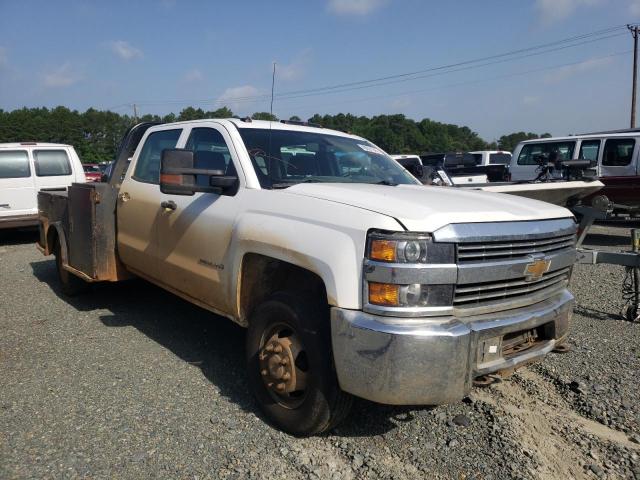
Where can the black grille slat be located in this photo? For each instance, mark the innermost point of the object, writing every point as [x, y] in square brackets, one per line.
[492, 251]
[492, 291]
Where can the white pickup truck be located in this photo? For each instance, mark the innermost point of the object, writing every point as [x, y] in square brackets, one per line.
[352, 278]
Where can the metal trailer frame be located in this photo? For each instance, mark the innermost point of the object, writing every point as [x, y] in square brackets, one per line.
[601, 210]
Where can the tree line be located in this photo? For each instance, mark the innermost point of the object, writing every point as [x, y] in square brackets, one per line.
[96, 134]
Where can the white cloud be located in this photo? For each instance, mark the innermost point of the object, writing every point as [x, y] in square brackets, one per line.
[62, 76]
[124, 50]
[193, 75]
[235, 97]
[355, 7]
[563, 73]
[294, 70]
[551, 11]
[634, 8]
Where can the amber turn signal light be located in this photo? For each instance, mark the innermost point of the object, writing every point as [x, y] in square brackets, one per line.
[384, 294]
[383, 250]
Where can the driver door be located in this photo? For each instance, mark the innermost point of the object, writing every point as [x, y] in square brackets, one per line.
[195, 234]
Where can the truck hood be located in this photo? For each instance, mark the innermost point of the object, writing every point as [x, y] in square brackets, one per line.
[428, 208]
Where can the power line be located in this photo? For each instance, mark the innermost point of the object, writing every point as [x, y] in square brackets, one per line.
[471, 82]
[569, 42]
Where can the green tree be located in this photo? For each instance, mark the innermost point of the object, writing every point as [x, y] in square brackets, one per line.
[509, 142]
[264, 116]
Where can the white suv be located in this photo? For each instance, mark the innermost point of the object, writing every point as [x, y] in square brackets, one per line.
[27, 168]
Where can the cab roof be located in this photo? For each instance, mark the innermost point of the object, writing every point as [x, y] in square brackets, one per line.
[32, 144]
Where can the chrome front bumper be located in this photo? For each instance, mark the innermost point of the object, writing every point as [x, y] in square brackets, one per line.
[431, 361]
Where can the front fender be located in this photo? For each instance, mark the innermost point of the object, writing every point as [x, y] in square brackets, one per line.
[333, 254]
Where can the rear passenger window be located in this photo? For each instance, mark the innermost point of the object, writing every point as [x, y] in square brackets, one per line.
[499, 159]
[589, 150]
[51, 163]
[14, 164]
[618, 152]
[148, 165]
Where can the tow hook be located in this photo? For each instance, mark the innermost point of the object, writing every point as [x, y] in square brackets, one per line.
[486, 380]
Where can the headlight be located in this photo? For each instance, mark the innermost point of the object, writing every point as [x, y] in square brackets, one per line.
[396, 249]
[408, 274]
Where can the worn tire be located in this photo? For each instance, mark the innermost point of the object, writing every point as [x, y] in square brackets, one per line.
[69, 283]
[323, 404]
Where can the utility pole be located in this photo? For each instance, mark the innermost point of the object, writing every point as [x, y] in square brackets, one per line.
[634, 32]
[135, 113]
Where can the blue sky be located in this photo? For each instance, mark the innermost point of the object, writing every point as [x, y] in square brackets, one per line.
[168, 54]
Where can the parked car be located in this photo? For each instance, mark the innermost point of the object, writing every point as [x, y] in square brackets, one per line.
[27, 168]
[613, 155]
[92, 172]
[351, 277]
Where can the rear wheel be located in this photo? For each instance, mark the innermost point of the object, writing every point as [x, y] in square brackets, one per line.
[69, 283]
[290, 366]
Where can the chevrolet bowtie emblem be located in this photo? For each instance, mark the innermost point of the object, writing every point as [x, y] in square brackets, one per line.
[535, 270]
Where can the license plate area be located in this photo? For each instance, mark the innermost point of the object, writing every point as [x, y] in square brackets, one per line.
[512, 344]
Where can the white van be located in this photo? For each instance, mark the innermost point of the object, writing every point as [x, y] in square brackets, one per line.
[613, 154]
[25, 169]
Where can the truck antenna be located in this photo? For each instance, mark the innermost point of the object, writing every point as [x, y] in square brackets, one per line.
[273, 83]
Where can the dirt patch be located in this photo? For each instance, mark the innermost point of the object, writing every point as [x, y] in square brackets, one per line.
[548, 427]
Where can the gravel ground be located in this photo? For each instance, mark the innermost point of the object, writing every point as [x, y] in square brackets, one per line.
[131, 382]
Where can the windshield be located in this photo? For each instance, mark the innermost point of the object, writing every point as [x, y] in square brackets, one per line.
[282, 158]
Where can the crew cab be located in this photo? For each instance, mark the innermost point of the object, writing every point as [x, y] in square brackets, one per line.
[29, 167]
[352, 278]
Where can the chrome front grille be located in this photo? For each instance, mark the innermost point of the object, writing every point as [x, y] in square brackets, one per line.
[470, 295]
[514, 249]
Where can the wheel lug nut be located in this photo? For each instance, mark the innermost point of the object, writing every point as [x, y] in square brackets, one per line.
[284, 361]
[263, 373]
[277, 349]
[280, 386]
[269, 348]
[286, 376]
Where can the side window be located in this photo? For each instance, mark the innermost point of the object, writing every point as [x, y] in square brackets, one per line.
[51, 163]
[14, 164]
[212, 152]
[531, 151]
[499, 159]
[148, 165]
[618, 152]
[589, 150]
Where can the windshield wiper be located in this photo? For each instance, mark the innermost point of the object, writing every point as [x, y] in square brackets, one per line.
[385, 182]
[295, 182]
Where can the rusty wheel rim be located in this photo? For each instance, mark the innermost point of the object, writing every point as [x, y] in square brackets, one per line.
[284, 366]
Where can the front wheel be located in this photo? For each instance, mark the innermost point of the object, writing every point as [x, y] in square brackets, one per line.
[291, 372]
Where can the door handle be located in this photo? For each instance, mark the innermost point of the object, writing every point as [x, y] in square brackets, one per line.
[169, 205]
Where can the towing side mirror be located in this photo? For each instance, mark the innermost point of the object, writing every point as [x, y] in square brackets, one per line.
[178, 175]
